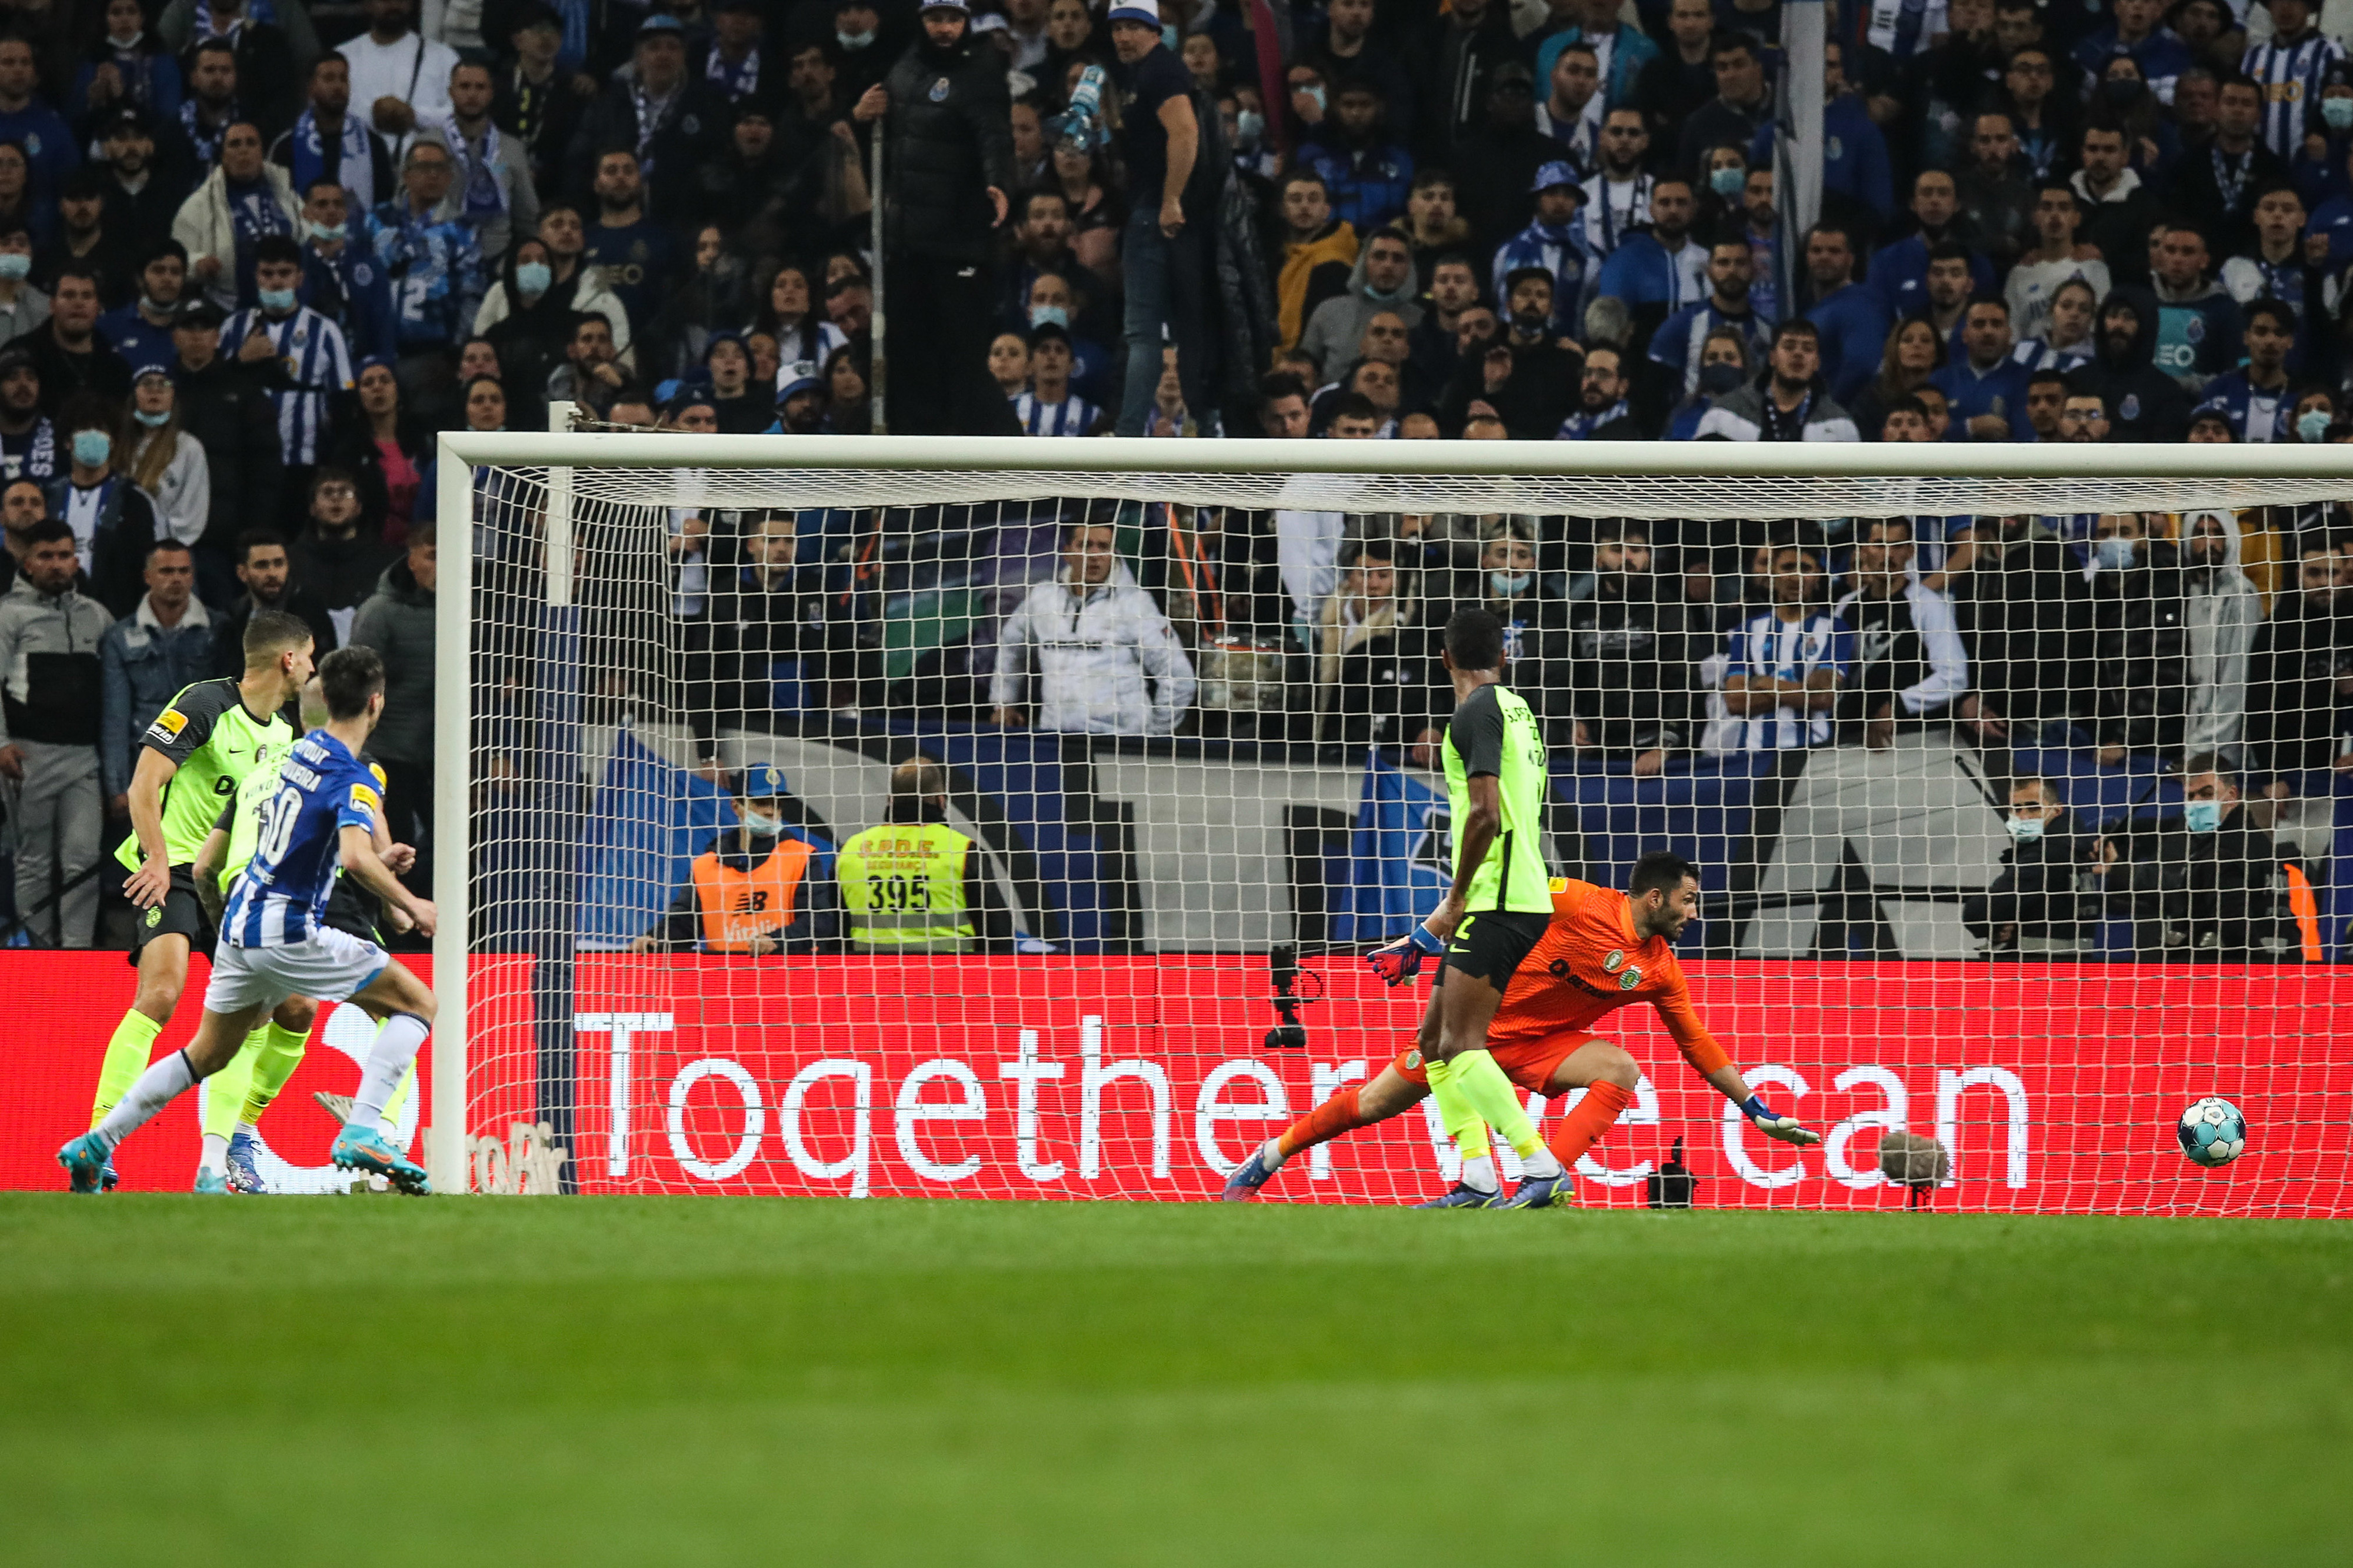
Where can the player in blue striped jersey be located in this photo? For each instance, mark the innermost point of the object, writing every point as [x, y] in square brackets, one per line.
[273, 944]
[2289, 67]
[1051, 408]
[302, 357]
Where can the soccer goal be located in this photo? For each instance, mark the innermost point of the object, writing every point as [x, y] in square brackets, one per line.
[898, 817]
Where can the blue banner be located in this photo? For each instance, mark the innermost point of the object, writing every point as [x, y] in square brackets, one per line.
[1403, 860]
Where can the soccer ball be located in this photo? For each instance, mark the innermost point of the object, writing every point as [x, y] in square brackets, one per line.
[2212, 1132]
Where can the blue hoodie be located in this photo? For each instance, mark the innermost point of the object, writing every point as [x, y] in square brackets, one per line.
[1854, 323]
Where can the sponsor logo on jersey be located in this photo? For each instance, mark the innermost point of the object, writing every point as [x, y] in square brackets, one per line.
[169, 723]
[366, 799]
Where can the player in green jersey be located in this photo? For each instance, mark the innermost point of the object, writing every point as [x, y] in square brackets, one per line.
[192, 759]
[1497, 909]
[235, 1096]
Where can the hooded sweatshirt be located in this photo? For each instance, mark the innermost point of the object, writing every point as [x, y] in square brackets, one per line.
[1338, 327]
[2144, 403]
[1106, 660]
[2222, 614]
[2198, 333]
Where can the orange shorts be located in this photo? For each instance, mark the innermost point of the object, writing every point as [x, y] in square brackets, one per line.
[1530, 1064]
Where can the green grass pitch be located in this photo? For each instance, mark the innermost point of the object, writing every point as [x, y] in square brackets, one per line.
[723, 1380]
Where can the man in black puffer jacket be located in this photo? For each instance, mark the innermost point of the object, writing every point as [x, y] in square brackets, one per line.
[947, 167]
[2141, 641]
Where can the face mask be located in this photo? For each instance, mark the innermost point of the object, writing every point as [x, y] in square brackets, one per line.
[1049, 315]
[1726, 182]
[2122, 92]
[534, 276]
[277, 299]
[1168, 39]
[2311, 426]
[2113, 554]
[2202, 816]
[1314, 92]
[2338, 112]
[1718, 379]
[1250, 126]
[126, 46]
[1504, 582]
[15, 268]
[92, 447]
[325, 235]
[152, 421]
[760, 826]
[2024, 829]
[852, 40]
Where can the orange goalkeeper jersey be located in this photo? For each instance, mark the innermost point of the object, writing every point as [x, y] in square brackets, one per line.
[1586, 965]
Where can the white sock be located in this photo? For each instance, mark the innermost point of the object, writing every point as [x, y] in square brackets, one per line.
[1271, 1156]
[395, 1048]
[216, 1154]
[165, 1079]
[1479, 1170]
[1540, 1165]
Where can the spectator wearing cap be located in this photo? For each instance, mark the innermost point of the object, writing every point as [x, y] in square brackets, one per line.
[23, 307]
[1363, 164]
[1381, 284]
[113, 522]
[81, 236]
[400, 79]
[164, 459]
[758, 889]
[801, 404]
[1462, 53]
[127, 67]
[533, 97]
[49, 720]
[1550, 241]
[29, 121]
[141, 200]
[433, 263]
[327, 143]
[67, 348]
[230, 415]
[29, 448]
[1104, 658]
[140, 331]
[295, 352]
[146, 659]
[245, 197]
[669, 120]
[1051, 407]
[1171, 199]
[947, 173]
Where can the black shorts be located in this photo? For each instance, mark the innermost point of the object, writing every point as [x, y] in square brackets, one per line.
[180, 914]
[1489, 946]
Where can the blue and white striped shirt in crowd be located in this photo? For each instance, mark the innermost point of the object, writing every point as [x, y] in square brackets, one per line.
[1765, 646]
[1074, 415]
[321, 789]
[314, 363]
[2289, 75]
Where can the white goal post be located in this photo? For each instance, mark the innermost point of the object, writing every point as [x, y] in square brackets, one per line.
[567, 471]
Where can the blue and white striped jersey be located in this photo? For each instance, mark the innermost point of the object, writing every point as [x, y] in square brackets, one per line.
[1766, 646]
[1074, 415]
[314, 363]
[2290, 76]
[278, 897]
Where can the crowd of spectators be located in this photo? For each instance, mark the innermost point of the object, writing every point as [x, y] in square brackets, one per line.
[255, 253]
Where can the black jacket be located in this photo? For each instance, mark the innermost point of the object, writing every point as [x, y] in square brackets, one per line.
[951, 137]
[2036, 888]
[2027, 621]
[698, 129]
[354, 448]
[100, 370]
[229, 642]
[1629, 664]
[2144, 403]
[126, 531]
[230, 415]
[341, 573]
[2214, 896]
[2293, 712]
[2140, 669]
[1532, 400]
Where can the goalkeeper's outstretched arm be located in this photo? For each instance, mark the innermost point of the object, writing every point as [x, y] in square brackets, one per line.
[1770, 1122]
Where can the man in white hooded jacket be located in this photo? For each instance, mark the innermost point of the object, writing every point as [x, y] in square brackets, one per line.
[1105, 660]
[2223, 613]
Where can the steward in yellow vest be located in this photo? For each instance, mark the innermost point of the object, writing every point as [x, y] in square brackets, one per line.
[754, 891]
[913, 884]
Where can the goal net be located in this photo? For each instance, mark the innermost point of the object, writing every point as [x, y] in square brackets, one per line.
[887, 816]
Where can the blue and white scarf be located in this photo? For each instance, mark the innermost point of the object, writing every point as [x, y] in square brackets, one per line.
[483, 197]
[738, 82]
[207, 144]
[355, 168]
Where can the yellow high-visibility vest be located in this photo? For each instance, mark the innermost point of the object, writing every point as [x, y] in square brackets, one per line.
[903, 883]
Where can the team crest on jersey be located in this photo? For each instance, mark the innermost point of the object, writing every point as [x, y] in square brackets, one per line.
[1413, 1057]
[940, 90]
[1631, 978]
[154, 918]
[1615, 961]
[2131, 407]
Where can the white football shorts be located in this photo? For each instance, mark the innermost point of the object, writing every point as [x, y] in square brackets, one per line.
[332, 966]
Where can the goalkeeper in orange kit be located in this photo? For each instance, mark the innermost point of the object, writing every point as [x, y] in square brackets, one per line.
[1602, 951]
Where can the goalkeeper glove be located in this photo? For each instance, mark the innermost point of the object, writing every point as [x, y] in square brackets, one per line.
[1773, 1124]
[1401, 960]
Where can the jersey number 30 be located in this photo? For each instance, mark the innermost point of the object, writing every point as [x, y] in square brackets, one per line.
[278, 820]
